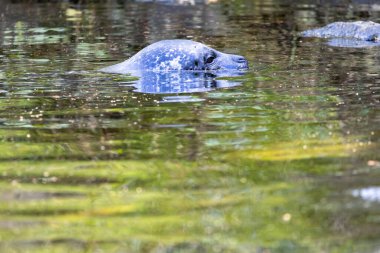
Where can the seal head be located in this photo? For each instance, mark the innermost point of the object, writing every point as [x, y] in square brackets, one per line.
[169, 55]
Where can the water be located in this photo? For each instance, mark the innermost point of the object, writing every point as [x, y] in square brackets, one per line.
[286, 161]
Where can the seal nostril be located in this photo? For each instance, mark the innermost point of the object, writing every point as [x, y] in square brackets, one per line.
[242, 63]
[240, 59]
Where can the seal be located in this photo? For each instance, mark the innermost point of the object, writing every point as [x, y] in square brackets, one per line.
[348, 34]
[175, 55]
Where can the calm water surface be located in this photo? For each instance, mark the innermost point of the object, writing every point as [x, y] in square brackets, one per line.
[286, 161]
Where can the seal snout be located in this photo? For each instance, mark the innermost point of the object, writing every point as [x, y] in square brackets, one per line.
[242, 62]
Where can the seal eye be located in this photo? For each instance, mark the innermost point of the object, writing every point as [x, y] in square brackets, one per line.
[210, 59]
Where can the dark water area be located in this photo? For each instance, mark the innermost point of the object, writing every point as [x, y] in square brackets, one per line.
[282, 159]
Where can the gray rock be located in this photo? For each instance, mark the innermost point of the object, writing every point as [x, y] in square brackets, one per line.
[352, 34]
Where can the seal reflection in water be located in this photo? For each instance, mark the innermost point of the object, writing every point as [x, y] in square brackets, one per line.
[178, 66]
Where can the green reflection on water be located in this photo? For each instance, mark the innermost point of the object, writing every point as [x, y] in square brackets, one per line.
[230, 206]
